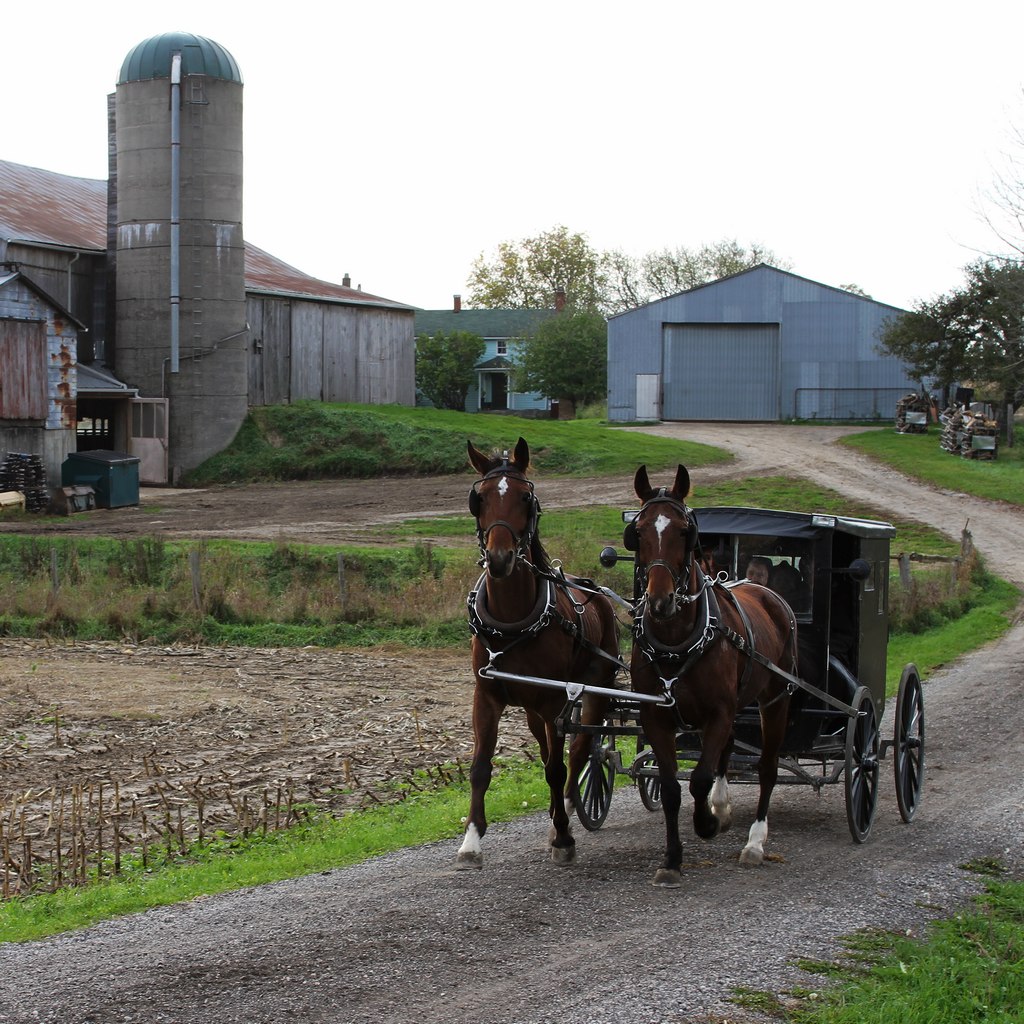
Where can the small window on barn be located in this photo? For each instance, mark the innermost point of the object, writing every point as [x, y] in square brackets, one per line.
[23, 391]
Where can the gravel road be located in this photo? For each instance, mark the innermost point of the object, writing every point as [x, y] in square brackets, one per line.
[407, 938]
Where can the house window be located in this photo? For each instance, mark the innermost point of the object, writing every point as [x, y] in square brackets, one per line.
[502, 346]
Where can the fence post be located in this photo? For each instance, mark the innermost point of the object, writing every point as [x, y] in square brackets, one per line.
[904, 564]
[342, 585]
[197, 585]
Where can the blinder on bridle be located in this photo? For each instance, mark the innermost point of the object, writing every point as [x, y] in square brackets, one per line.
[523, 540]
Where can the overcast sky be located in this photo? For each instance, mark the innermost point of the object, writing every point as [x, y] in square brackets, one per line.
[397, 141]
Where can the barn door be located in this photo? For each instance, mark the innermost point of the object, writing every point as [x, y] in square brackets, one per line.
[648, 396]
[148, 439]
[721, 372]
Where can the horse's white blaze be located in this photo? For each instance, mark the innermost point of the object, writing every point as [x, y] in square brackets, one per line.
[661, 524]
[503, 486]
[719, 799]
[754, 850]
[471, 844]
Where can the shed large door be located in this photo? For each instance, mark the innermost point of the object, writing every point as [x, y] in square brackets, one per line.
[721, 372]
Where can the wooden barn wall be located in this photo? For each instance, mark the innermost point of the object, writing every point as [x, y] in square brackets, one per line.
[76, 280]
[38, 351]
[329, 352]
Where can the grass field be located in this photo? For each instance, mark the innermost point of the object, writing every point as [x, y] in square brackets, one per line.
[920, 457]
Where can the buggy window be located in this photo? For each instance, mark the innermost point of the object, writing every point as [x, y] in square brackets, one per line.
[785, 564]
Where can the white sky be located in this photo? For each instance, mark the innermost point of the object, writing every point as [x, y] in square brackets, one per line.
[396, 141]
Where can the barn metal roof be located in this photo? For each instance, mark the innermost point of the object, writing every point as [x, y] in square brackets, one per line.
[199, 56]
[52, 209]
[45, 208]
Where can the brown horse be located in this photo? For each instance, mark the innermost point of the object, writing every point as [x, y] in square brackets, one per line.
[703, 647]
[529, 620]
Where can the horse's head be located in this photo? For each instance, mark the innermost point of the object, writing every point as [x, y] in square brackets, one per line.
[505, 508]
[664, 537]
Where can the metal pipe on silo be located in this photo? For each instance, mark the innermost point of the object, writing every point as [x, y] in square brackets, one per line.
[175, 208]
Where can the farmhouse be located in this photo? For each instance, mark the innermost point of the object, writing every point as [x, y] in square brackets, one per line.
[180, 324]
[502, 331]
[763, 344]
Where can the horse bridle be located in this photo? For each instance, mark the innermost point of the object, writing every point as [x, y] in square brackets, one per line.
[680, 581]
[521, 541]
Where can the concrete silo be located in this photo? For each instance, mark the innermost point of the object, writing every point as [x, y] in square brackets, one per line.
[176, 213]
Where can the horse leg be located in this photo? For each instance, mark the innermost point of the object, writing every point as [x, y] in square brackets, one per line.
[716, 743]
[773, 729]
[486, 714]
[721, 806]
[662, 738]
[560, 837]
[579, 749]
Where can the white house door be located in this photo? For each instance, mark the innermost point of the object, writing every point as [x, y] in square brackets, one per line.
[648, 396]
[148, 438]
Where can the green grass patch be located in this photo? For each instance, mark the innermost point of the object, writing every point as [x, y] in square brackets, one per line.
[987, 619]
[314, 440]
[319, 844]
[967, 971]
[920, 457]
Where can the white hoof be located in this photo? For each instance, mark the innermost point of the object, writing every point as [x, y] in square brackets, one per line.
[721, 808]
[752, 855]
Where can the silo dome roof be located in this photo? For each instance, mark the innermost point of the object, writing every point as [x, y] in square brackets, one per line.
[199, 56]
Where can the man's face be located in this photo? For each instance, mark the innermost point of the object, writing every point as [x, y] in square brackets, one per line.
[757, 573]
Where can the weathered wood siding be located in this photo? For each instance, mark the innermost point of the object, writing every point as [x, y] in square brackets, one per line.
[329, 352]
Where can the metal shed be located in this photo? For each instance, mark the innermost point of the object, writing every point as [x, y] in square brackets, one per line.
[761, 345]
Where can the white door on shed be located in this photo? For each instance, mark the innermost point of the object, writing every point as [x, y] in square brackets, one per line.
[648, 396]
[721, 372]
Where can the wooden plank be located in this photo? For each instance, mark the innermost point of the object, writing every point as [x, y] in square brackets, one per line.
[23, 370]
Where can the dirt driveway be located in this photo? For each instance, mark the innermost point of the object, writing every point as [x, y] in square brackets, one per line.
[408, 939]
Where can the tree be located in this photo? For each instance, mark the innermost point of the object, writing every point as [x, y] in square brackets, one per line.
[526, 274]
[566, 357]
[1002, 206]
[667, 272]
[444, 366]
[973, 334]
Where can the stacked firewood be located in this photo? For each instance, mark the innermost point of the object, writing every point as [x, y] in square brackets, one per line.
[912, 414]
[968, 433]
[26, 473]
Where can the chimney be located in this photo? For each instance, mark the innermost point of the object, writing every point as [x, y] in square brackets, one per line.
[457, 303]
[559, 300]
[346, 281]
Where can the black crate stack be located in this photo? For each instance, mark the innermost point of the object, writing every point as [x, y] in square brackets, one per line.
[26, 473]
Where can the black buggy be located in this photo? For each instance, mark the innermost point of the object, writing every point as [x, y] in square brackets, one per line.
[834, 573]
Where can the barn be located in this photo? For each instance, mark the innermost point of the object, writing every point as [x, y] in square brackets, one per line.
[38, 357]
[761, 345]
[184, 324]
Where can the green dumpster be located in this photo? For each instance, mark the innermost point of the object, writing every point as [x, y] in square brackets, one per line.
[114, 476]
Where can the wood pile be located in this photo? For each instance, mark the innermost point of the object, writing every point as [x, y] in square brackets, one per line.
[26, 473]
[912, 414]
[969, 433]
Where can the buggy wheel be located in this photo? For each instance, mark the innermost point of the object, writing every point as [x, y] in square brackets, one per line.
[861, 765]
[908, 743]
[648, 785]
[592, 788]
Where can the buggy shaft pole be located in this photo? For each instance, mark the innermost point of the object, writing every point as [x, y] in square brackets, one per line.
[572, 689]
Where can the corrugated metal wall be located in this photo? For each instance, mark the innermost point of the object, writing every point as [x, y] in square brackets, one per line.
[695, 388]
[827, 365]
[329, 352]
